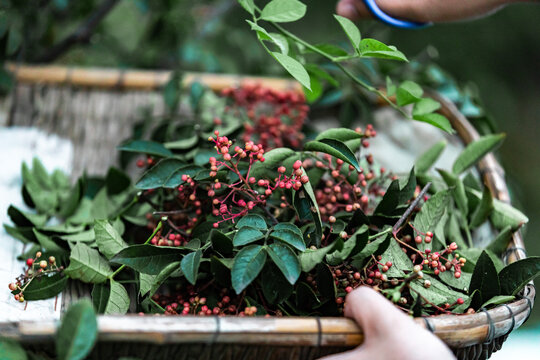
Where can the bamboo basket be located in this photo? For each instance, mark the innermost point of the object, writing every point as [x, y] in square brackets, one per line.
[106, 100]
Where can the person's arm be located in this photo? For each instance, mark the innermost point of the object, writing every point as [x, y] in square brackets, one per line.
[388, 332]
[424, 10]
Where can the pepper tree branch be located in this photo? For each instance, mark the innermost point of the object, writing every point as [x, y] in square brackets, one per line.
[82, 34]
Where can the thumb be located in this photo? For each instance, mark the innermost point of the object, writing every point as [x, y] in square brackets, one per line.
[374, 314]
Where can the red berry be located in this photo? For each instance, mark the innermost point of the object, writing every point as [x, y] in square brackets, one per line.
[29, 261]
[348, 289]
[460, 301]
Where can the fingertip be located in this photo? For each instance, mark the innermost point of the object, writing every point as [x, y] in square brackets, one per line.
[346, 8]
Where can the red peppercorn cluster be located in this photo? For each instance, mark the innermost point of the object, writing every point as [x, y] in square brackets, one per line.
[231, 201]
[276, 117]
[36, 267]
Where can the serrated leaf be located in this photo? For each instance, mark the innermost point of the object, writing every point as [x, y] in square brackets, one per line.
[310, 258]
[190, 266]
[376, 49]
[253, 221]
[148, 259]
[438, 293]
[431, 214]
[283, 11]
[158, 175]
[87, 265]
[485, 280]
[285, 260]
[351, 30]
[461, 284]
[289, 237]
[400, 260]
[45, 287]
[517, 274]
[476, 151]
[430, 157]
[247, 265]
[294, 68]
[118, 302]
[107, 238]
[146, 147]
[335, 148]
[247, 235]
[77, 333]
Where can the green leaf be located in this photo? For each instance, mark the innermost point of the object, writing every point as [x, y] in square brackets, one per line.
[151, 283]
[335, 148]
[285, 260]
[87, 265]
[378, 245]
[331, 50]
[77, 333]
[351, 30]
[100, 297]
[426, 106]
[430, 157]
[247, 265]
[175, 178]
[247, 235]
[84, 236]
[45, 287]
[376, 49]
[496, 300]
[47, 243]
[436, 120]
[272, 160]
[253, 221]
[500, 243]
[11, 350]
[14, 40]
[438, 293]
[289, 227]
[408, 92]
[503, 214]
[221, 243]
[457, 189]
[389, 201]
[431, 214]
[476, 151]
[483, 210]
[148, 259]
[274, 286]
[107, 238]
[517, 274]
[339, 134]
[485, 280]
[283, 11]
[158, 175]
[118, 302]
[25, 219]
[146, 147]
[310, 258]
[339, 256]
[294, 68]
[325, 282]
[248, 5]
[182, 144]
[289, 237]
[190, 266]
[461, 284]
[400, 261]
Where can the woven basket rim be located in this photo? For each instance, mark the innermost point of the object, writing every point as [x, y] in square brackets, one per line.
[457, 331]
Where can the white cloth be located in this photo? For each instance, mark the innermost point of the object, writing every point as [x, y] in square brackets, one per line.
[18, 145]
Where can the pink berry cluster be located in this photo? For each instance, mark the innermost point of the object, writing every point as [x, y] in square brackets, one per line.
[36, 267]
[231, 201]
[276, 117]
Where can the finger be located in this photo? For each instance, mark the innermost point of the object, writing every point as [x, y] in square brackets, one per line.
[356, 10]
[357, 354]
[375, 315]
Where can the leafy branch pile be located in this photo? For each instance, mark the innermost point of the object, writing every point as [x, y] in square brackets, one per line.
[217, 226]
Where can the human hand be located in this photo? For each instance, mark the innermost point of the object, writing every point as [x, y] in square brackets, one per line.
[423, 10]
[388, 332]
